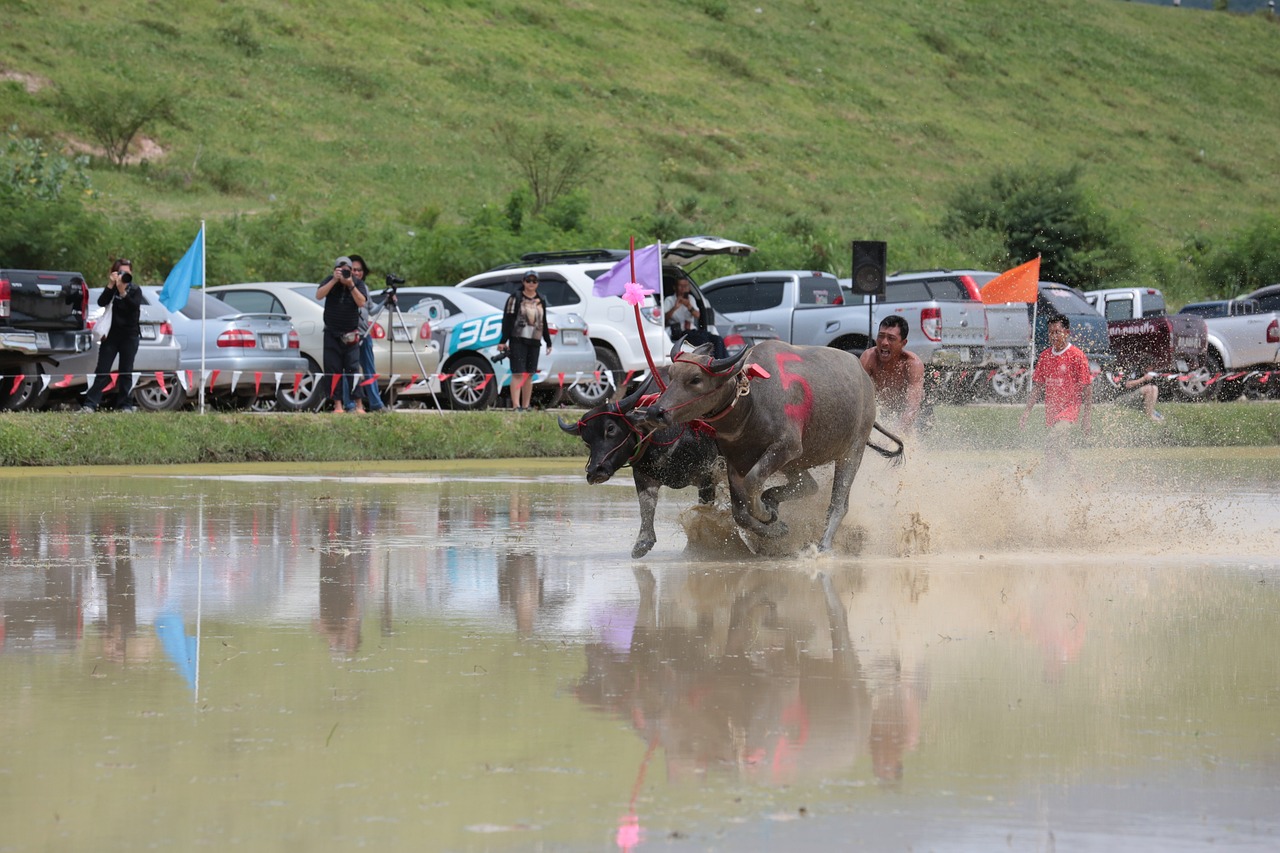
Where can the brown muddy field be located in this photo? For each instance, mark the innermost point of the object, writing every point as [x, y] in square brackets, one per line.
[465, 657]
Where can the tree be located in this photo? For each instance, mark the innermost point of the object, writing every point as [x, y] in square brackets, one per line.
[113, 116]
[551, 162]
[1047, 213]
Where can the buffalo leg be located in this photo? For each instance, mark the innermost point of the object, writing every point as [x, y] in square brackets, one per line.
[647, 494]
[800, 484]
[841, 483]
[753, 514]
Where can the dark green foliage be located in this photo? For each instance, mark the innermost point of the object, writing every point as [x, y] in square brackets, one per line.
[1242, 262]
[552, 161]
[1037, 211]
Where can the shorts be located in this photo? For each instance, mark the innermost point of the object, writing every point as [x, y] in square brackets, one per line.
[1131, 398]
[524, 355]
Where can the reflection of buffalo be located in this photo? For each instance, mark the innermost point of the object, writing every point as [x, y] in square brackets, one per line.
[748, 670]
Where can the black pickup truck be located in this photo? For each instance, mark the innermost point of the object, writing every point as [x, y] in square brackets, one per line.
[42, 320]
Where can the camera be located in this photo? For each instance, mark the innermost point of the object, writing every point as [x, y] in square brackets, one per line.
[344, 272]
[393, 279]
[502, 356]
[126, 277]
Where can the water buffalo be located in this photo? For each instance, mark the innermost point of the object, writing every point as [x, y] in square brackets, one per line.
[675, 457]
[775, 408]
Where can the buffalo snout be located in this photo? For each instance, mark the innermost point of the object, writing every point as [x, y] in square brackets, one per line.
[649, 417]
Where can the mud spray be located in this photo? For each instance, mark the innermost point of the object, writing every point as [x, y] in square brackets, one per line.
[963, 503]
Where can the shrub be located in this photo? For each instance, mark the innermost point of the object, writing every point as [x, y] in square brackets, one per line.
[1043, 212]
[114, 114]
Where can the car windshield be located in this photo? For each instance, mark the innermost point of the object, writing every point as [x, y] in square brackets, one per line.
[1206, 309]
[309, 291]
[496, 298]
[1066, 301]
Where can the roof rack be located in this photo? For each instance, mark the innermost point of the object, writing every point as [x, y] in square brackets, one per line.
[575, 256]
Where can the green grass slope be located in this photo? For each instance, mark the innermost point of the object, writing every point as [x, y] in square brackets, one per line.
[860, 117]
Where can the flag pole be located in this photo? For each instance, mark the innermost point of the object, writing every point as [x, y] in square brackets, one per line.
[202, 316]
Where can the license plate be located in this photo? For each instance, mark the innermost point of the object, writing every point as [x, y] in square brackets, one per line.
[401, 335]
[571, 337]
[272, 342]
[42, 340]
[148, 332]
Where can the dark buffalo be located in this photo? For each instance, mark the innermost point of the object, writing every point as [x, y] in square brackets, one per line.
[775, 408]
[675, 457]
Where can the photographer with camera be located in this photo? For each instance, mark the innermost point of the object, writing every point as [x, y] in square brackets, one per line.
[372, 396]
[124, 299]
[524, 326]
[343, 296]
[682, 314]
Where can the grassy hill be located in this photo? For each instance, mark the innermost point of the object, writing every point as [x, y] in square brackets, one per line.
[811, 119]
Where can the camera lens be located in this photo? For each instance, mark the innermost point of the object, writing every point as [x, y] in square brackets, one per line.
[127, 278]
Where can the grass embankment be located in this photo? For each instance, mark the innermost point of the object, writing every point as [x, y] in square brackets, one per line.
[64, 439]
[719, 117]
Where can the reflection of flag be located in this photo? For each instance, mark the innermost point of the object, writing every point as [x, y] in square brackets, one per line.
[648, 273]
[187, 274]
[1020, 284]
[180, 648]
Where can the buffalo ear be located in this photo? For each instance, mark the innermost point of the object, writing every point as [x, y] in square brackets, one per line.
[572, 429]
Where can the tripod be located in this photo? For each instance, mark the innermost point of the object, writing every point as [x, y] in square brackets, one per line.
[393, 281]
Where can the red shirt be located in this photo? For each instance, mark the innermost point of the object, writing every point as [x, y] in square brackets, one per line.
[1066, 378]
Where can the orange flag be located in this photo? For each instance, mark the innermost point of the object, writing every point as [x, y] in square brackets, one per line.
[1020, 284]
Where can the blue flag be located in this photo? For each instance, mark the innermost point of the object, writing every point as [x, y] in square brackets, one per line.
[187, 274]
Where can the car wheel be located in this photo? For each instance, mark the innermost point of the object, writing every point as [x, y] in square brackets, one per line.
[548, 398]
[1195, 385]
[172, 398]
[471, 385]
[32, 392]
[310, 395]
[590, 391]
[1009, 383]
[263, 404]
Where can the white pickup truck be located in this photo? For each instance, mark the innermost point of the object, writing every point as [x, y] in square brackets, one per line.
[1244, 345]
[815, 308]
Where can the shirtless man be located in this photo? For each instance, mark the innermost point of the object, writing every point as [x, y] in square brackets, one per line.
[898, 374]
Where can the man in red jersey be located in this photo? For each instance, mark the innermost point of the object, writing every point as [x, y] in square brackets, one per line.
[1063, 380]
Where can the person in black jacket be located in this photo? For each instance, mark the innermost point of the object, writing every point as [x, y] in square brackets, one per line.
[125, 300]
[524, 325]
[343, 295]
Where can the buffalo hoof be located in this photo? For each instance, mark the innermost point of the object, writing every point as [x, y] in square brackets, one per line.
[642, 547]
[775, 529]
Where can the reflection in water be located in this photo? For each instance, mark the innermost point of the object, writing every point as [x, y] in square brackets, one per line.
[523, 683]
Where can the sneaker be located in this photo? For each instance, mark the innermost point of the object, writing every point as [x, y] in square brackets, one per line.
[1157, 417]
[88, 409]
[129, 409]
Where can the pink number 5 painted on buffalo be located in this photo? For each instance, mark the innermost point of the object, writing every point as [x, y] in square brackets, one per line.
[798, 412]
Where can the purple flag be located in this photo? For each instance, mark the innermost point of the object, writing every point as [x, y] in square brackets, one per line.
[648, 273]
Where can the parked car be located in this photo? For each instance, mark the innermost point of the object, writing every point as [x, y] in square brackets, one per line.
[1145, 338]
[249, 352]
[65, 378]
[410, 353]
[43, 316]
[466, 324]
[1244, 338]
[566, 281]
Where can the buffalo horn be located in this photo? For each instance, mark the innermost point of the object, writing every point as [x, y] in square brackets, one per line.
[572, 428]
[722, 365]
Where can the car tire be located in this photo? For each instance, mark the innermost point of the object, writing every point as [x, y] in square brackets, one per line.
[590, 392]
[1194, 385]
[310, 395]
[1008, 384]
[470, 385]
[31, 395]
[172, 398]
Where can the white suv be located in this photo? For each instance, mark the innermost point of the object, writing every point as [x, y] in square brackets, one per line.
[565, 280]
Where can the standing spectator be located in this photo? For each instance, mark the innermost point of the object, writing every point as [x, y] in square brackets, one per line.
[897, 373]
[124, 298]
[1063, 380]
[371, 395]
[524, 325]
[343, 295]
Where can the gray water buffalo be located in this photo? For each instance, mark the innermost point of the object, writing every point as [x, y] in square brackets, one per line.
[775, 408]
[675, 457]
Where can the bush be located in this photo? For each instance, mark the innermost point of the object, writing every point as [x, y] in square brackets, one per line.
[1035, 211]
[114, 114]
[1242, 262]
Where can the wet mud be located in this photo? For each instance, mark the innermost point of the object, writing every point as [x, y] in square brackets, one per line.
[993, 656]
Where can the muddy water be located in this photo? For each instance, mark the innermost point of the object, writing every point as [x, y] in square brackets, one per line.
[465, 657]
